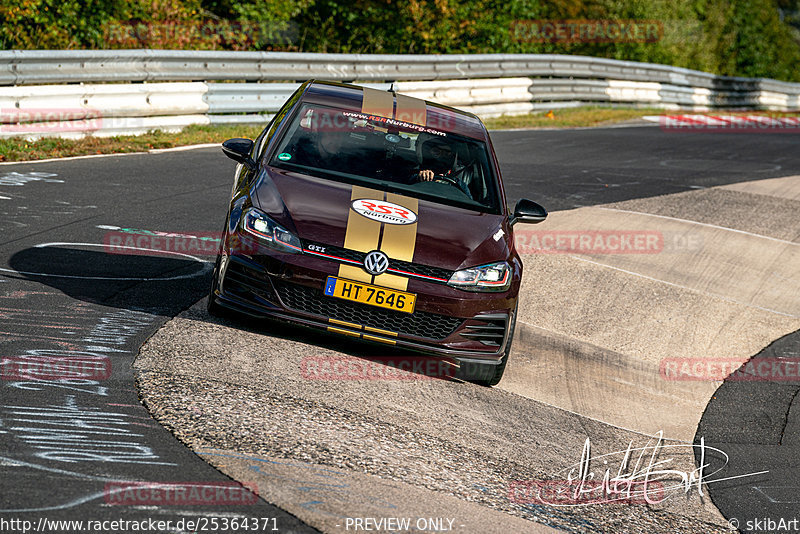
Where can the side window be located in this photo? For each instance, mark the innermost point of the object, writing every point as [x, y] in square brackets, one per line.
[262, 142]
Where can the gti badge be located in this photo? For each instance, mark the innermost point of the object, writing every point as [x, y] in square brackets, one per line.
[376, 262]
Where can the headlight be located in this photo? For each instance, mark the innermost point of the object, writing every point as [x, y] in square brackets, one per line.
[492, 277]
[270, 233]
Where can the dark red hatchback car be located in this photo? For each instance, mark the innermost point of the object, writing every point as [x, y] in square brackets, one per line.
[378, 216]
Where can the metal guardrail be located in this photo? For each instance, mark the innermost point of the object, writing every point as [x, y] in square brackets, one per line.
[110, 100]
[35, 67]
[180, 90]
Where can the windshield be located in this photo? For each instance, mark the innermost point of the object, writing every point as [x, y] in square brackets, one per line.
[389, 155]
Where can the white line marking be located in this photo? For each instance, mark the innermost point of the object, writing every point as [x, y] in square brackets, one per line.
[89, 156]
[687, 288]
[13, 462]
[70, 504]
[704, 224]
[4, 198]
[206, 266]
[50, 160]
[183, 148]
[760, 489]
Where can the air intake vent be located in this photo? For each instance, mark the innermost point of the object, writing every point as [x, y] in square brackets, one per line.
[492, 332]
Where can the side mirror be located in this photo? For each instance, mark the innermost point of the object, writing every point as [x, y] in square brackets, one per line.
[528, 211]
[239, 150]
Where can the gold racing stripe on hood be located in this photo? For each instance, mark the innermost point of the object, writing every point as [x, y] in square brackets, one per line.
[362, 234]
[398, 242]
[411, 110]
[379, 103]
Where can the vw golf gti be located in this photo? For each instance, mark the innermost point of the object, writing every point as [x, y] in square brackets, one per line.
[377, 216]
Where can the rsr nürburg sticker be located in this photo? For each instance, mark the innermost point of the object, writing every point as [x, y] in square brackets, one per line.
[387, 212]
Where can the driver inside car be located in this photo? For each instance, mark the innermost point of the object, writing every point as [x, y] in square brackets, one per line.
[439, 163]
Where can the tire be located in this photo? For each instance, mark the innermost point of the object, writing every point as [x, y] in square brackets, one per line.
[486, 374]
[212, 306]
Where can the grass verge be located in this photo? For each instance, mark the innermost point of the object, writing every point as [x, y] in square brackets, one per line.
[570, 118]
[18, 149]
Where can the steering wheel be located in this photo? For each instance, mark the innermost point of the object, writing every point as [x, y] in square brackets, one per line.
[451, 179]
[448, 178]
[445, 179]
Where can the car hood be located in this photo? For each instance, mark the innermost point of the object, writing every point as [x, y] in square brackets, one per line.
[320, 210]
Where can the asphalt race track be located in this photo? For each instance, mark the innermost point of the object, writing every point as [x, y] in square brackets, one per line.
[65, 441]
[70, 447]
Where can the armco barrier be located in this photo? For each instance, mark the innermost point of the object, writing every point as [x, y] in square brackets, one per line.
[111, 100]
[36, 67]
[180, 86]
[252, 103]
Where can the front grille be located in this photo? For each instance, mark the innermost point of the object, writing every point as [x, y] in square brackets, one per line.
[419, 324]
[424, 270]
[443, 275]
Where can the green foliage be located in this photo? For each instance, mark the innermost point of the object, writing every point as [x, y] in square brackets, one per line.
[55, 23]
[759, 38]
[758, 42]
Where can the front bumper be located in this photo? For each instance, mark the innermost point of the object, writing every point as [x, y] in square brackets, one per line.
[470, 327]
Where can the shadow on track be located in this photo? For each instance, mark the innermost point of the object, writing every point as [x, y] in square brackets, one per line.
[167, 284]
[158, 284]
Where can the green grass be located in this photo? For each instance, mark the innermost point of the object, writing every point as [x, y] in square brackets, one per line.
[570, 118]
[18, 149]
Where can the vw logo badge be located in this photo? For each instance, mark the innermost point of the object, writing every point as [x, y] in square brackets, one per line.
[376, 262]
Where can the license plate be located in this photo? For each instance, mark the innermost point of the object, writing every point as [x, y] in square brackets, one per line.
[369, 294]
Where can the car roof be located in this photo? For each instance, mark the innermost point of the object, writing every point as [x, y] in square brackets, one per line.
[395, 106]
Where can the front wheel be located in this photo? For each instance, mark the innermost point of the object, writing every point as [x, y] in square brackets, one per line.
[212, 306]
[486, 374]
